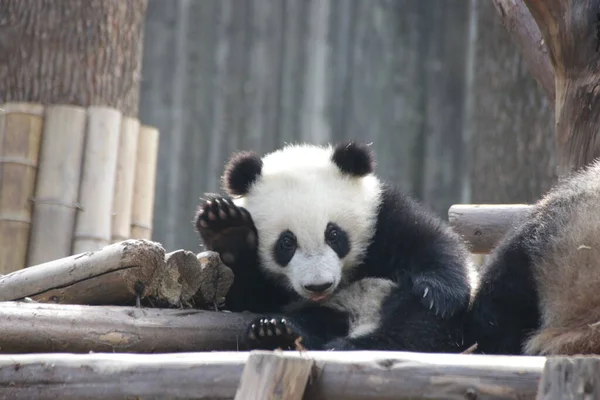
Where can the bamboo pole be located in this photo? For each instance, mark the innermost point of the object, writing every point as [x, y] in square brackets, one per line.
[49, 328]
[19, 155]
[145, 177]
[93, 222]
[23, 107]
[126, 163]
[57, 188]
[368, 375]
[135, 263]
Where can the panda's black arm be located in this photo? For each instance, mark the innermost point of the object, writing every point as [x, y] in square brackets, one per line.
[405, 325]
[410, 243]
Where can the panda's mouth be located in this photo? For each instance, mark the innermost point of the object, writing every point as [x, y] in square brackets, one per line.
[319, 297]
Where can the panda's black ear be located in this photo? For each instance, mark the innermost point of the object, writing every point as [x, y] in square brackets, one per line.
[354, 159]
[241, 171]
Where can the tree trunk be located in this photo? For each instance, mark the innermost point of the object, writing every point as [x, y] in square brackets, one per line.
[72, 52]
[571, 31]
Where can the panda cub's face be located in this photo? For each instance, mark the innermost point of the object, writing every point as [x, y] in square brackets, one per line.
[314, 208]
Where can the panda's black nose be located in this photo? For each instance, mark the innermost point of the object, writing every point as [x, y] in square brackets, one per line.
[318, 288]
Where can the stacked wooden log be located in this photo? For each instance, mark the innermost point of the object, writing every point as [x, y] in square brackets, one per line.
[72, 180]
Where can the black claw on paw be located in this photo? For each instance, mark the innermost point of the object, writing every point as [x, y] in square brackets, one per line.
[270, 333]
[442, 302]
[225, 227]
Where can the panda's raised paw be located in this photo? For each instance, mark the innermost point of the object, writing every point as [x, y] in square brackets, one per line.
[270, 333]
[219, 220]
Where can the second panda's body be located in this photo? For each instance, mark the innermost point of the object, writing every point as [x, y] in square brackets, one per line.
[540, 290]
[312, 233]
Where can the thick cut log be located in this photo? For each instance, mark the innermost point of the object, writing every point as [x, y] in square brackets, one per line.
[570, 378]
[188, 278]
[339, 376]
[81, 53]
[123, 271]
[482, 226]
[524, 32]
[57, 186]
[570, 30]
[274, 376]
[44, 328]
[19, 153]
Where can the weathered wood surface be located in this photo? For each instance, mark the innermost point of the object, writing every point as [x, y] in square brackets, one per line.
[483, 225]
[93, 221]
[570, 378]
[72, 52]
[570, 30]
[339, 376]
[224, 75]
[57, 187]
[19, 154]
[510, 121]
[525, 33]
[133, 261]
[45, 328]
[274, 376]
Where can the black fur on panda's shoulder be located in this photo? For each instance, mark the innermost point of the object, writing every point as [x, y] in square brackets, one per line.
[355, 159]
[241, 171]
[414, 244]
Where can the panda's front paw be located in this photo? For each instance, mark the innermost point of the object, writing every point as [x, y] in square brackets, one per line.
[444, 302]
[225, 227]
[270, 333]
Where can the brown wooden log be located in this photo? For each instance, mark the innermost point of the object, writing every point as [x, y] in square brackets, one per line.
[570, 30]
[57, 187]
[123, 196]
[216, 375]
[524, 32]
[93, 222]
[274, 376]
[117, 273]
[570, 378]
[81, 53]
[145, 182]
[19, 154]
[30, 328]
[483, 225]
[188, 278]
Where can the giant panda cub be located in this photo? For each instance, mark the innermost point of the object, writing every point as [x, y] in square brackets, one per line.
[325, 251]
[540, 291]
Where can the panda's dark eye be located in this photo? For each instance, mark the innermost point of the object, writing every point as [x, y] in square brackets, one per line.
[285, 248]
[337, 239]
[287, 243]
[332, 235]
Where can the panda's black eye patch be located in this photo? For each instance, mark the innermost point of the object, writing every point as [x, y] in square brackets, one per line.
[337, 239]
[285, 247]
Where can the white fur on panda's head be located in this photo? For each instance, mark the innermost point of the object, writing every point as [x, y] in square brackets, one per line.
[315, 210]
